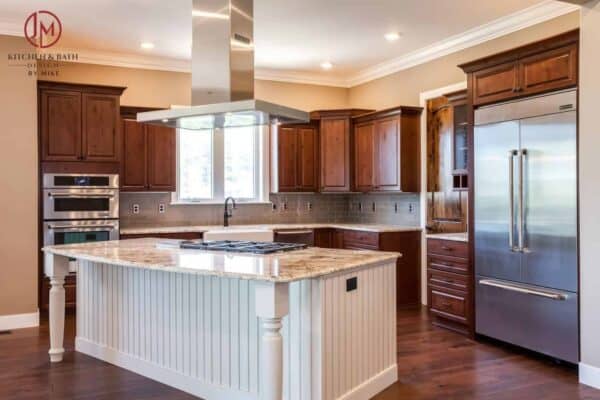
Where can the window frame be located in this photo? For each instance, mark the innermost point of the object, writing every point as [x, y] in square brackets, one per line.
[261, 170]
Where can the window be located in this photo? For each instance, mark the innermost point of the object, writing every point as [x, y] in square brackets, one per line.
[215, 164]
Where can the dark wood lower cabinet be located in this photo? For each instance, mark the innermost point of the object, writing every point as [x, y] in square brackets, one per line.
[449, 285]
[174, 235]
[408, 275]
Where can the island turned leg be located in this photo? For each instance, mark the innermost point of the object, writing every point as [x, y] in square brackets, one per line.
[271, 306]
[56, 268]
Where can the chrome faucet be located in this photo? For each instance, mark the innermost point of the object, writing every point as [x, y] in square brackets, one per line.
[228, 213]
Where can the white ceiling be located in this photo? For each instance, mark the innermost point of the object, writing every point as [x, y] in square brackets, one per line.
[293, 37]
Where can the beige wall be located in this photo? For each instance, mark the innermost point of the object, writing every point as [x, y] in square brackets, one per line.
[589, 184]
[18, 180]
[162, 88]
[404, 87]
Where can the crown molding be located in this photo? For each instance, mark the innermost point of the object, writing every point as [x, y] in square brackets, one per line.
[530, 16]
[299, 77]
[536, 14]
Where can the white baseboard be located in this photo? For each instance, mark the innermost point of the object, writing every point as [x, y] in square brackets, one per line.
[589, 375]
[374, 385]
[19, 321]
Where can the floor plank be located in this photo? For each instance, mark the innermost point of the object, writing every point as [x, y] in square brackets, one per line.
[433, 364]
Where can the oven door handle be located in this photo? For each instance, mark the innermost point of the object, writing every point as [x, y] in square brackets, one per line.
[81, 227]
[82, 195]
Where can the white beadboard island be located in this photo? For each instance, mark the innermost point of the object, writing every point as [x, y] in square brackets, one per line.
[233, 326]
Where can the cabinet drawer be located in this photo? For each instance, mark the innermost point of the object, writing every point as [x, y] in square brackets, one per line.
[358, 238]
[448, 264]
[448, 248]
[447, 280]
[449, 305]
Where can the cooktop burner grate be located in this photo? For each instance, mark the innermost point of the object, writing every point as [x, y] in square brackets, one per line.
[238, 246]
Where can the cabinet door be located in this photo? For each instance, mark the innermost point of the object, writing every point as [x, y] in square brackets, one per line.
[364, 151]
[307, 177]
[101, 127]
[60, 124]
[133, 156]
[555, 69]
[387, 154]
[495, 83]
[335, 155]
[161, 158]
[287, 154]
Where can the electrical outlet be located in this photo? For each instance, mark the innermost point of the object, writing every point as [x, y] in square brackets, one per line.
[309, 206]
[283, 206]
[359, 206]
[136, 208]
[411, 208]
[273, 207]
[161, 208]
[373, 207]
[396, 208]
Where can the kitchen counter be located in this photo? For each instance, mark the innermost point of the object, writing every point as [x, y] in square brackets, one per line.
[277, 267]
[204, 228]
[457, 237]
[215, 324]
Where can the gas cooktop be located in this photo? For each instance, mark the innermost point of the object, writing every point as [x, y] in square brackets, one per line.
[238, 246]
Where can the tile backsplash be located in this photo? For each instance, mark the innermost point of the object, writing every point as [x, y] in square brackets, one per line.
[400, 209]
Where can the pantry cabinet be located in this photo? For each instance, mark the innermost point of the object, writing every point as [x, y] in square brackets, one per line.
[79, 122]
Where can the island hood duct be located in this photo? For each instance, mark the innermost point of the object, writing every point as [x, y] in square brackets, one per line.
[223, 73]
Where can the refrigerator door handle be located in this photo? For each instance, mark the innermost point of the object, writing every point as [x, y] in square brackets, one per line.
[547, 294]
[511, 202]
[521, 209]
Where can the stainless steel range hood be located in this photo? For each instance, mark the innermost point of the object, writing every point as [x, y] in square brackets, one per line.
[223, 73]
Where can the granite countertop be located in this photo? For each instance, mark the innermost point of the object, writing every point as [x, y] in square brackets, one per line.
[203, 228]
[290, 266]
[457, 237]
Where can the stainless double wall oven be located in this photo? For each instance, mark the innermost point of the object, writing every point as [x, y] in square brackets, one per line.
[80, 208]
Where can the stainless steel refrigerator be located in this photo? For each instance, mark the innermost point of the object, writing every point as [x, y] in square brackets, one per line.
[526, 257]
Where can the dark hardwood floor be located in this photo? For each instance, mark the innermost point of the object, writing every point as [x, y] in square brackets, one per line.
[433, 364]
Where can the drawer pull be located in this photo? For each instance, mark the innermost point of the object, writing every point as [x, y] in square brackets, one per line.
[446, 248]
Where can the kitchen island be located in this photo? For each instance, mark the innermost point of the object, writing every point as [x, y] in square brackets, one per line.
[307, 324]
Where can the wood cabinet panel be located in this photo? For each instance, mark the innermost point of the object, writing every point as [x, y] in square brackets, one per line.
[495, 83]
[335, 154]
[308, 159]
[161, 158]
[101, 130]
[364, 153]
[60, 125]
[287, 161]
[173, 235]
[550, 70]
[134, 160]
[449, 264]
[449, 304]
[448, 248]
[441, 280]
[387, 154]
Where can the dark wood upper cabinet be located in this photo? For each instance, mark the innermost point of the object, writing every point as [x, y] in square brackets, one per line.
[287, 158]
[134, 155]
[364, 154]
[60, 125]
[554, 69]
[308, 160]
[539, 67]
[101, 130]
[296, 158]
[495, 83]
[387, 155]
[336, 148]
[148, 155]
[79, 122]
[387, 150]
[161, 158]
